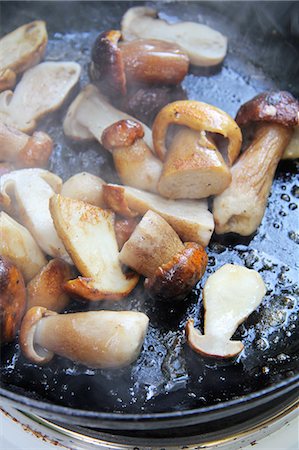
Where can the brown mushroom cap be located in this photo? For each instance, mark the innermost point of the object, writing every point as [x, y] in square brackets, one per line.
[274, 106]
[175, 279]
[122, 134]
[12, 299]
[107, 63]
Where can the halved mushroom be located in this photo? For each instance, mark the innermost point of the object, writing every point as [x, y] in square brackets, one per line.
[30, 190]
[191, 219]
[12, 299]
[240, 208]
[230, 295]
[17, 244]
[97, 339]
[292, 150]
[42, 89]
[193, 167]
[46, 288]
[134, 161]
[88, 234]
[204, 46]
[116, 64]
[21, 49]
[123, 228]
[24, 150]
[89, 115]
[155, 250]
[85, 187]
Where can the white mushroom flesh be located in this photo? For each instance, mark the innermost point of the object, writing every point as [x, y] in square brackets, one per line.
[18, 245]
[85, 187]
[90, 113]
[31, 190]
[204, 45]
[98, 339]
[41, 90]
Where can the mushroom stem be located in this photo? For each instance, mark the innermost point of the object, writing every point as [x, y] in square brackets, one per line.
[240, 208]
[194, 168]
[98, 339]
[134, 162]
[24, 150]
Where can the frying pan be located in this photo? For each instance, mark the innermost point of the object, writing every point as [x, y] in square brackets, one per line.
[169, 385]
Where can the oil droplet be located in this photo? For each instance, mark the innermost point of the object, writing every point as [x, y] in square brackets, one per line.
[276, 225]
[283, 187]
[282, 213]
[295, 191]
[262, 344]
[283, 357]
[285, 197]
[294, 236]
[292, 206]
[151, 348]
[265, 370]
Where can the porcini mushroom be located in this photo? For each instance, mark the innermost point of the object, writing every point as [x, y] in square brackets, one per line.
[115, 64]
[155, 250]
[133, 160]
[230, 295]
[193, 167]
[86, 187]
[97, 339]
[123, 228]
[204, 46]
[88, 234]
[46, 288]
[42, 89]
[292, 150]
[23, 150]
[18, 245]
[30, 190]
[21, 49]
[12, 299]
[240, 208]
[191, 219]
[89, 115]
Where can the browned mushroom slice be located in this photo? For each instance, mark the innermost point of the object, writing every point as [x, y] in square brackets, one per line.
[85, 187]
[30, 190]
[46, 288]
[42, 89]
[21, 49]
[134, 161]
[98, 339]
[23, 150]
[240, 208]
[89, 115]
[116, 64]
[88, 234]
[204, 46]
[156, 251]
[12, 299]
[191, 219]
[18, 245]
[231, 294]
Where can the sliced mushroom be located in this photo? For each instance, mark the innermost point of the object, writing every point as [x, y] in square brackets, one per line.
[124, 228]
[118, 64]
[23, 150]
[85, 187]
[21, 49]
[292, 150]
[30, 190]
[12, 300]
[191, 219]
[231, 294]
[134, 161]
[46, 288]
[89, 115]
[204, 46]
[18, 245]
[88, 234]
[240, 208]
[42, 89]
[97, 339]
[155, 250]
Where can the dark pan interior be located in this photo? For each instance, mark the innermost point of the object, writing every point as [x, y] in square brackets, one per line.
[168, 376]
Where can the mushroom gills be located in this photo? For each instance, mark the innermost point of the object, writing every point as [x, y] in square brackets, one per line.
[230, 295]
[97, 339]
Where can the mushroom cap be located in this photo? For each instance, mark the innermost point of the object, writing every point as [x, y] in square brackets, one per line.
[12, 299]
[29, 324]
[175, 279]
[273, 106]
[107, 66]
[122, 134]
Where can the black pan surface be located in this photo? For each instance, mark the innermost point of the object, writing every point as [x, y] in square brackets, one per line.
[168, 377]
